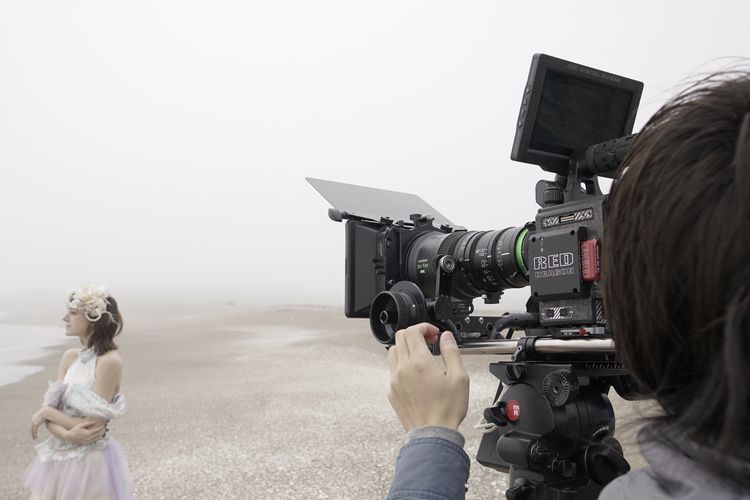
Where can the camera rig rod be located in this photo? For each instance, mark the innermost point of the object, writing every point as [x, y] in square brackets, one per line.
[542, 345]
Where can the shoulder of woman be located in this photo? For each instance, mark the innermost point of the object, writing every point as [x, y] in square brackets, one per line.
[111, 361]
[69, 356]
[66, 361]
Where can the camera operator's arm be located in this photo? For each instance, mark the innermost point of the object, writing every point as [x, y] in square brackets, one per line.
[431, 402]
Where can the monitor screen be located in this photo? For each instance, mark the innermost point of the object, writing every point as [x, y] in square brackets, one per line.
[575, 113]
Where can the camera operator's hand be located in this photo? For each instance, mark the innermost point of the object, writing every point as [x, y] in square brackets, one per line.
[422, 392]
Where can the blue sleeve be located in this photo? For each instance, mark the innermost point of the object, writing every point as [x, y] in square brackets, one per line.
[432, 465]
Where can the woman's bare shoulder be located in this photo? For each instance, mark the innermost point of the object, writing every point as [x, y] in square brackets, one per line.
[110, 361]
[67, 359]
[69, 356]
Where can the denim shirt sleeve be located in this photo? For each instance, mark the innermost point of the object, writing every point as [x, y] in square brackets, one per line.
[432, 465]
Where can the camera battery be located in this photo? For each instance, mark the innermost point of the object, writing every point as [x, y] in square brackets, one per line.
[590, 260]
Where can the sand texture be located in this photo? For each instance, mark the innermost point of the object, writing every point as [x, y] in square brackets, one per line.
[230, 402]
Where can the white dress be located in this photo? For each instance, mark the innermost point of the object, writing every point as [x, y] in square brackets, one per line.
[67, 471]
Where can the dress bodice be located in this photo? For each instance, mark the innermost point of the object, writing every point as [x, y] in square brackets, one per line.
[82, 370]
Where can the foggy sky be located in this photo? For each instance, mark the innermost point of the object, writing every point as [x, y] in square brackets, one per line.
[161, 147]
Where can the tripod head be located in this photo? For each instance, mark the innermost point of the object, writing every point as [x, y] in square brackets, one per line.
[552, 425]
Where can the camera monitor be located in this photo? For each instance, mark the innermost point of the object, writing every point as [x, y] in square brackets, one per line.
[568, 107]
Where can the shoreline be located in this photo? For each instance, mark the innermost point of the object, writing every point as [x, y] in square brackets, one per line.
[22, 345]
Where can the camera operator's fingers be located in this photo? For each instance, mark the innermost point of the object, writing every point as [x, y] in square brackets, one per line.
[430, 332]
[402, 349]
[454, 364]
[416, 338]
[456, 378]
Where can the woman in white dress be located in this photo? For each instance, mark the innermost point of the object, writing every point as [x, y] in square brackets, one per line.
[79, 461]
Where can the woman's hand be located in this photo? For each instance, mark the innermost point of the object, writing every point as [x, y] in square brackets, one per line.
[422, 392]
[37, 420]
[86, 432]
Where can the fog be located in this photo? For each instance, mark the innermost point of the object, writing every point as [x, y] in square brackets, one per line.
[160, 148]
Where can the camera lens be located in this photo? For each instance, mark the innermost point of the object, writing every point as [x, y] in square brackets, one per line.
[487, 261]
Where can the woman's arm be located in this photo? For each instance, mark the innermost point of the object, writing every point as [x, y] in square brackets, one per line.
[84, 433]
[57, 430]
[57, 417]
[47, 414]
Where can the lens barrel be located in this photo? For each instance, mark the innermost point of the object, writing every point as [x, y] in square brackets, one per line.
[482, 263]
[489, 261]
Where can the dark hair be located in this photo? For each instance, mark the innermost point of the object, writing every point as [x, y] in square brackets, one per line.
[105, 329]
[676, 264]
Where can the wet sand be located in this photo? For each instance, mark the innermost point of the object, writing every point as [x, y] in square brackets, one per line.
[226, 401]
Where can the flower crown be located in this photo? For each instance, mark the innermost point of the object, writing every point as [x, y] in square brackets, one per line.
[91, 300]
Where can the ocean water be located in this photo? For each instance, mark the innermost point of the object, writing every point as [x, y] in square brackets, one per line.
[21, 344]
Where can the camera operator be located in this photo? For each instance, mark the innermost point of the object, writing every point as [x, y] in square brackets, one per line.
[676, 264]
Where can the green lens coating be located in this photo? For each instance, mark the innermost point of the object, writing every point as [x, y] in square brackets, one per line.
[519, 251]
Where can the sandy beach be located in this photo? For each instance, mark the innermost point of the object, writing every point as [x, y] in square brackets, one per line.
[226, 401]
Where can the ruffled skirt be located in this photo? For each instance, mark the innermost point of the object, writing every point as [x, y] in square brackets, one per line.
[99, 475]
